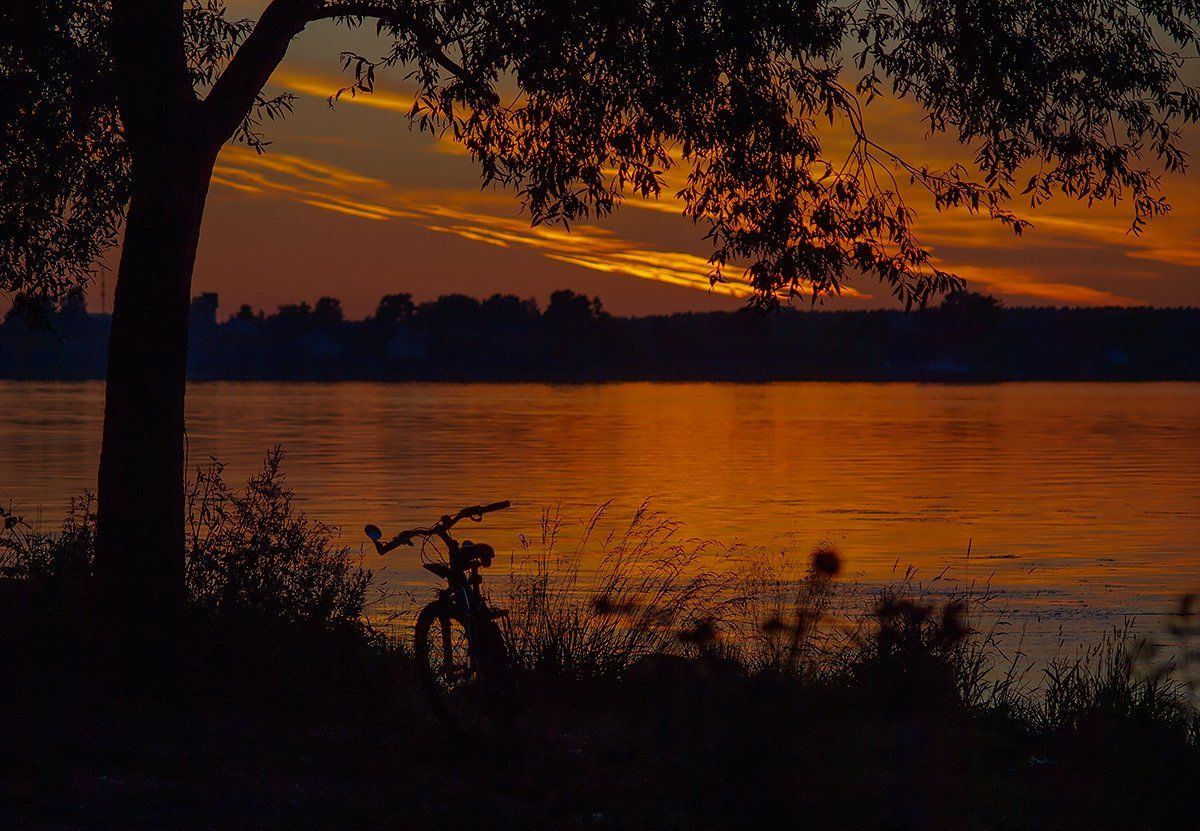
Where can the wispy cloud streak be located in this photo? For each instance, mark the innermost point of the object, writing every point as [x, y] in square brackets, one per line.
[324, 87]
[332, 188]
[1094, 238]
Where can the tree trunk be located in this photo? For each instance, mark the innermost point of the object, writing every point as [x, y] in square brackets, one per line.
[140, 523]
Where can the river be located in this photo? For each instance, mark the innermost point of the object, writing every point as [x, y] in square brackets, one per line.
[1080, 502]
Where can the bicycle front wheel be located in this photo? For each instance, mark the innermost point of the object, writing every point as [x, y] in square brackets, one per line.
[442, 649]
[464, 672]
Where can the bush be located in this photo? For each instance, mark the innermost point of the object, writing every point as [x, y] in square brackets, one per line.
[253, 551]
[250, 552]
[29, 555]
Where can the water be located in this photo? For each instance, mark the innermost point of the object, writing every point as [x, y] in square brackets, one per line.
[1080, 501]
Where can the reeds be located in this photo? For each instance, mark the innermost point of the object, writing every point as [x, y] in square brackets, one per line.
[583, 613]
[594, 606]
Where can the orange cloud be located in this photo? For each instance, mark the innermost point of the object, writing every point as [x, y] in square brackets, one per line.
[981, 251]
[336, 189]
[324, 87]
[1096, 233]
[1005, 281]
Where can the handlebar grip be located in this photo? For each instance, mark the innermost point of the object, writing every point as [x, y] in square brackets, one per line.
[392, 544]
[495, 506]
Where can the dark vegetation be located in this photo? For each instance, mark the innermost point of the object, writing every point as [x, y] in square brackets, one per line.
[968, 337]
[653, 694]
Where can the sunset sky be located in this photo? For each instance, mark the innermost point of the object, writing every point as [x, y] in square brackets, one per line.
[350, 202]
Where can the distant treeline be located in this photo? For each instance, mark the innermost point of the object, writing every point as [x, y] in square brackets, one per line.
[969, 337]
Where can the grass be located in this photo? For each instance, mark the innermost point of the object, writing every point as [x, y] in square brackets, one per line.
[572, 624]
[655, 691]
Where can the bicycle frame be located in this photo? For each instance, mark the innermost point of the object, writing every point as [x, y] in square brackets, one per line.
[464, 594]
[463, 598]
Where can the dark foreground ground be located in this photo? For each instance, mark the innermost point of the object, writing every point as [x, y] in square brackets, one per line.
[244, 724]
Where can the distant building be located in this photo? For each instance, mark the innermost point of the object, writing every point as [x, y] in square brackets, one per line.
[203, 313]
[43, 340]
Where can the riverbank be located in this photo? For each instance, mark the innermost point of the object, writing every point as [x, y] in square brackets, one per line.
[269, 726]
[654, 698]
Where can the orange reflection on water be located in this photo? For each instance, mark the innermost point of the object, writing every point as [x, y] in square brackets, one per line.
[1080, 498]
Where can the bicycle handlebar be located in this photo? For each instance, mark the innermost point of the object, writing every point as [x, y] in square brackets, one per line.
[442, 526]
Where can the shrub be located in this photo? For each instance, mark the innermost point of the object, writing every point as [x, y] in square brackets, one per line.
[28, 554]
[250, 552]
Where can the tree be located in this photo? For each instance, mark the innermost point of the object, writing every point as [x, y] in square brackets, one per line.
[568, 310]
[327, 314]
[450, 313]
[394, 309]
[112, 113]
[502, 311]
[246, 313]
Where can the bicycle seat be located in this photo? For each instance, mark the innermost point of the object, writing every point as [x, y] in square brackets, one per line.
[438, 569]
[480, 551]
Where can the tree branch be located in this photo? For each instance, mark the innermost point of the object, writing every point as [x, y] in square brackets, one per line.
[394, 16]
[234, 93]
[237, 89]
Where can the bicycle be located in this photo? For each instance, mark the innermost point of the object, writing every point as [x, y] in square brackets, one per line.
[459, 649]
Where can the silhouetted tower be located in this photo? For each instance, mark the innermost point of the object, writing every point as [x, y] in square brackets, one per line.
[203, 313]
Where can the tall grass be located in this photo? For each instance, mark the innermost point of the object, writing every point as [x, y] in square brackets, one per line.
[582, 613]
[590, 600]
[1106, 681]
[594, 604]
[27, 554]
